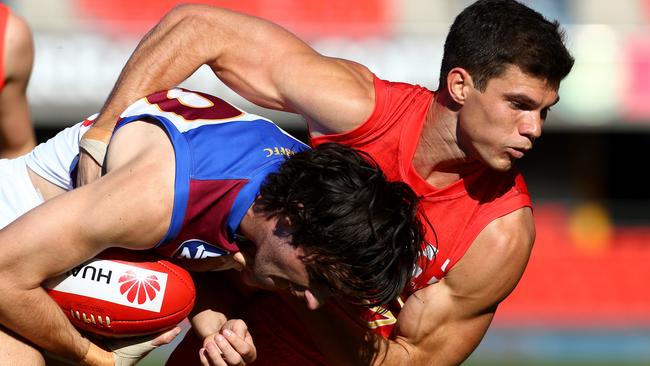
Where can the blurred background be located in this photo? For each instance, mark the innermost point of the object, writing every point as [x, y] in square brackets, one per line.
[584, 298]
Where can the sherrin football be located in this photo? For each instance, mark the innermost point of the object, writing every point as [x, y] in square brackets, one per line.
[124, 293]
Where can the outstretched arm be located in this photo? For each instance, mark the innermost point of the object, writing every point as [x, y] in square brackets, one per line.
[16, 131]
[442, 323]
[258, 59]
[134, 200]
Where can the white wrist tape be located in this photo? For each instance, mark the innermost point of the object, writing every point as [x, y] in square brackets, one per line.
[96, 149]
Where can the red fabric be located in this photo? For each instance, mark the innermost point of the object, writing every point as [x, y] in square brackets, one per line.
[279, 337]
[4, 16]
[457, 212]
[206, 205]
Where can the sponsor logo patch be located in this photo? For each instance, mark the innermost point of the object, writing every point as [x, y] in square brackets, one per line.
[114, 282]
[137, 289]
[198, 249]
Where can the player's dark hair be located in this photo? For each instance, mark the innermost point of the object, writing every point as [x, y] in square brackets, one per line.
[361, 233]
[490, 35]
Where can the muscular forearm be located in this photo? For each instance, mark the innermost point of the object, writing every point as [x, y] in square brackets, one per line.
[166, 56]
[344, 342]
[248, 54]
[33, 315]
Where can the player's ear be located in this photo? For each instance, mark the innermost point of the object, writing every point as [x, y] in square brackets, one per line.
[240, 260]
[459, 83]
[313, 300]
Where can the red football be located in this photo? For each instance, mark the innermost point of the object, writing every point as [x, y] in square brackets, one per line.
[123, 293]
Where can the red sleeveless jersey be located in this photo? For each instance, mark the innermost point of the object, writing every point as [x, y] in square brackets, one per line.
[457, 212]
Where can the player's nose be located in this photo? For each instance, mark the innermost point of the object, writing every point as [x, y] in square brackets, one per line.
[532, 126]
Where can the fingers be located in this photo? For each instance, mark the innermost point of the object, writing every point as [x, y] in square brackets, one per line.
[243, 345]
[166, 337]
[237, 334]
[237, 326]
[211, 355]
[203, 358]
[228, 348]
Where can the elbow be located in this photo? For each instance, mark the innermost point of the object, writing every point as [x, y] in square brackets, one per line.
[17, 278]
[195, 22]
[187, 16]
[8, 286]
[192, 13]
[182, 11]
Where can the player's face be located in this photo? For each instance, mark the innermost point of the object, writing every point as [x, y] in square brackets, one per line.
[274, 264]
[498, 126]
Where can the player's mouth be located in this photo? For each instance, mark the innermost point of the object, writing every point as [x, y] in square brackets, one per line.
[516, 153]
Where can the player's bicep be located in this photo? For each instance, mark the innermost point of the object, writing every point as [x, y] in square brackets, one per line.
[273, 68]
[47, 240]
[334, 95]
[495, 262]
[436, 326]
[16, 132]
[19, 51]
[446, 321]
[116, 210]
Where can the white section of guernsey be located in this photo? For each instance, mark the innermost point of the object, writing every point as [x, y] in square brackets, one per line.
[52, 160]
[17, 194]
[100, 279]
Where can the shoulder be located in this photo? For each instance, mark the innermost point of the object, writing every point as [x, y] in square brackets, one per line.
[394, 106]
[18, 47]
[142, 143]
[18, 35]
[490, 269]
[496, 260]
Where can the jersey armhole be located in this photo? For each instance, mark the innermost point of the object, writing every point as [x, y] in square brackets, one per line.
[354, 136]
[517, 201]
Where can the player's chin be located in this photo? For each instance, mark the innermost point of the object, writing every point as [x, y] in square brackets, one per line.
[502, 164]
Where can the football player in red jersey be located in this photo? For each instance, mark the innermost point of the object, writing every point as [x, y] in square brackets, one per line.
[196, 179]
[16, 59]
[501, 71]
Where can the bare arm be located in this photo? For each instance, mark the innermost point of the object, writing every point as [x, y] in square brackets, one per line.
[134, 200]
[16, 131]
[442, 323]
[258, 59]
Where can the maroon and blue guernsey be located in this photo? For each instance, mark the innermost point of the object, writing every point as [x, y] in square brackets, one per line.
[223, 155]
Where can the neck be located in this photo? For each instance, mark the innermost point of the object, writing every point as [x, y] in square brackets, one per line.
[438, 158]
[248, 223]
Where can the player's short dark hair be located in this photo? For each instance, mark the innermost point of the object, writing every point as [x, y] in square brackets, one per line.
[490, 35]
[361, 233]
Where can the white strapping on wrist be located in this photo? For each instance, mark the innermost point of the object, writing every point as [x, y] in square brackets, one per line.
[95, 148]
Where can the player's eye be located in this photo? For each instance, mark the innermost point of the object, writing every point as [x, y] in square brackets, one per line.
[519, 105]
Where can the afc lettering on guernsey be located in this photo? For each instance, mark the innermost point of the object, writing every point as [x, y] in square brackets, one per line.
[278, 151]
